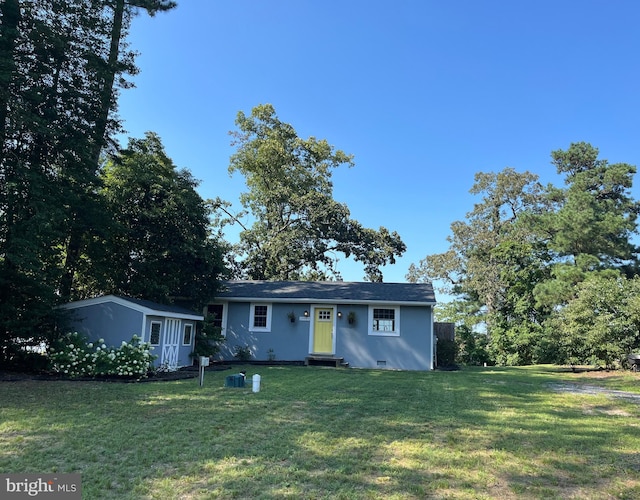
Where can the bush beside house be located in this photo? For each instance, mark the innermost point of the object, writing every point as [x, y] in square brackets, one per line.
[73, 356]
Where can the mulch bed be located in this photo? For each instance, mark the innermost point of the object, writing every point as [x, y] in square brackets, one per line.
[182, 374]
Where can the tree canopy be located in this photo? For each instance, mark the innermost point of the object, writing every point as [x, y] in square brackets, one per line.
[62, 65]
[298, 227]
[523, 253]
[160, 247]
[602, 322]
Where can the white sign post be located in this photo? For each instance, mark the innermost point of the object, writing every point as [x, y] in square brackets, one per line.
[204, 362]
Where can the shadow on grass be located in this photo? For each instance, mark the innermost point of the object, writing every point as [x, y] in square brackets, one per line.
[314, 432]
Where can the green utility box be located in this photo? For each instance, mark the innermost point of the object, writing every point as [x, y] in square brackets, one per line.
[234, 381]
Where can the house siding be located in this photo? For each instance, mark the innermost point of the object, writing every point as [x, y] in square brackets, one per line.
[287, 340]
[116, 323]
[109, 321]
[410, 350]
[184, 351]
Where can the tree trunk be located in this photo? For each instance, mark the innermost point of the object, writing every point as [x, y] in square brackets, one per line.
[109, 79]
[77, 228]
[10, 10]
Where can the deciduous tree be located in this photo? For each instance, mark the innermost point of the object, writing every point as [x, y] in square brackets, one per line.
[601, 324]
[525, 249]
[298, 227]
[481, 247]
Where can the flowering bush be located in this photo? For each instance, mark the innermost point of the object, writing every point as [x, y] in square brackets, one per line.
[165, 368]
[73, 356]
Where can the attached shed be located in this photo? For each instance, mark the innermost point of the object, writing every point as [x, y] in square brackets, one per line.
[363, 324]
[169, 329]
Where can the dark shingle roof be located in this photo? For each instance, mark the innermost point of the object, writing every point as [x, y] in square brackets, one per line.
[169, 308]
[333, 291]
[141, 305]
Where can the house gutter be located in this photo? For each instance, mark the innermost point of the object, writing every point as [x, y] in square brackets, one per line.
[144, 322]
[434, 343]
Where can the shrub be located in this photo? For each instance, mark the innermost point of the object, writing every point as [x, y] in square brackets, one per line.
[472, 347]
[208, 338]
[446, 352]
[73, 356]
[18, 358]
[242, 353]
[164, 368]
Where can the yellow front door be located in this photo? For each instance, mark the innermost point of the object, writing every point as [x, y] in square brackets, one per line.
[323, 331]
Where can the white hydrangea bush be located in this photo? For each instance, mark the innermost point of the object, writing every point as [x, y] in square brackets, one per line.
[73, 356]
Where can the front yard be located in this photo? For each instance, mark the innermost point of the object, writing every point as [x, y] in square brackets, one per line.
[333, 433]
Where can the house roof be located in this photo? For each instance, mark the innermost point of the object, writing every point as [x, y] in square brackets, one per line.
[329, 291]
[144, 306]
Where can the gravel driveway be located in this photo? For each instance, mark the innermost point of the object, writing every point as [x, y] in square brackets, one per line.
[596, 390]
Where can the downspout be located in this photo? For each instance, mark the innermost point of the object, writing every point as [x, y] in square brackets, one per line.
[434, 344]
[144, 322]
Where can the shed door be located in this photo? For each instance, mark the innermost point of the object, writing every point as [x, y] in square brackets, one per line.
[171, 343]
[323, 331]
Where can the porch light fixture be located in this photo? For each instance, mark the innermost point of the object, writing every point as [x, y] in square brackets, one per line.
[340, 314]
[306, 314]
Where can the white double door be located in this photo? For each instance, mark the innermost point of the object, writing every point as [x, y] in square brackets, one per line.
[171, 343]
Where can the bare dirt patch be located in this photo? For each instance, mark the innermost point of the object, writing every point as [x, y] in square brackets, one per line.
[157, 377]
[604, 410]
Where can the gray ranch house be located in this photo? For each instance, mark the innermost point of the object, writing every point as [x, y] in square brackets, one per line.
[169, 329]
[364, 325]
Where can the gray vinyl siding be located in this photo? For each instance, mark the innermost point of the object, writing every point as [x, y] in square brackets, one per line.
[110, 321]
[115, 323]
[183, 351]
[410, 350]
[289, 341]
[156, 350]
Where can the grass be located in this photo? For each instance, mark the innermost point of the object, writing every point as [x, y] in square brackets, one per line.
[331, 433]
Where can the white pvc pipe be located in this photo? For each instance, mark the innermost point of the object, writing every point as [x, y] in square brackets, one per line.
[256, 383]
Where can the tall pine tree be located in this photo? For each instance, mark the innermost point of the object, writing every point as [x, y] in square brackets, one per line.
[59, 60]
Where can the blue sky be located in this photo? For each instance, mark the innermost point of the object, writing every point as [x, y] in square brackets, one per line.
[423, 93]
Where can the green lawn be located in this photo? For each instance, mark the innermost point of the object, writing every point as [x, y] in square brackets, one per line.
[332, 433]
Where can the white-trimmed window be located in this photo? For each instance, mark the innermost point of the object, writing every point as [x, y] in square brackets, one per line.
[218, 311]
[187, 334]
[384, 320]
[260, 318]
[154, 336]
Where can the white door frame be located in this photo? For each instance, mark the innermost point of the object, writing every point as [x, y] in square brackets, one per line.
[171, 342]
